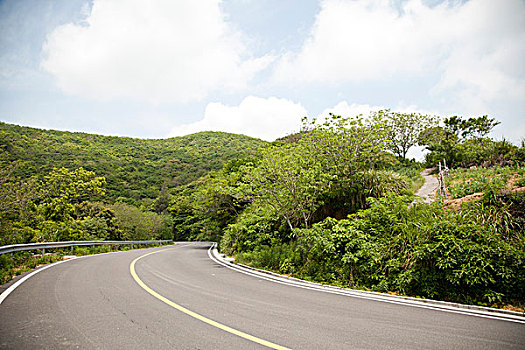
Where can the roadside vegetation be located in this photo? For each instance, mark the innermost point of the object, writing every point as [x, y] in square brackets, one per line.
[333, 203]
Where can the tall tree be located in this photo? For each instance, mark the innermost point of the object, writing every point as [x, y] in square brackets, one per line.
[405, 129]
[296, 178]
[289, 181]
[470, 128]
[346, 145]
[460, 141]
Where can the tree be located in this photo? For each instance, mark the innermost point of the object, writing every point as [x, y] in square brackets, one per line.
[17, 207]
[163, 201]
[15, 194]
[462, 142]
[63, 188]
[289, 181]
[405, 129]
[328, 162]
[138, 225]
[345, 146]
[471, 127]
[98, 220]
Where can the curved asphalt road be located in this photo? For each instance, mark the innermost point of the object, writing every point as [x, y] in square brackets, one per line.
[95, 303]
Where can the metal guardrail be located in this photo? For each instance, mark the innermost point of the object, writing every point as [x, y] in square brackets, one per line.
[49, 245]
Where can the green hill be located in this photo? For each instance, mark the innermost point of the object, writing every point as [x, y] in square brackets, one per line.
[135, 169]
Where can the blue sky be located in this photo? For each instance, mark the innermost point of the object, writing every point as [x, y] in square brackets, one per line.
[155, 69]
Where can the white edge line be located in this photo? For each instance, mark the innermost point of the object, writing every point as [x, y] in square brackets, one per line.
[381, 298]
[15, 285]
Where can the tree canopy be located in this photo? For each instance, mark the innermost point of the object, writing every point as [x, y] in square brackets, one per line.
[405, 130]
[135, 170]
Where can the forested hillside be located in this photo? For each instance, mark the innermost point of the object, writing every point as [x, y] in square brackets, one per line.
[134, 169]
[334, 203]
[58, 186]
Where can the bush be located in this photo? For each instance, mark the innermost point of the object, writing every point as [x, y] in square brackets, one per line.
[138, 225]
[256, 226]
[418, 250]
[280, 257]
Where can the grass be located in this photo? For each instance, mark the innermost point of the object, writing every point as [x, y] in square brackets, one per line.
[463, 182]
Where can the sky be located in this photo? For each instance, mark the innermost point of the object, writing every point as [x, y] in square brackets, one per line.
[158, 69]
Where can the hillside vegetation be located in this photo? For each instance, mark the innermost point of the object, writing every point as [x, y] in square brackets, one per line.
[58, 185]
[333, 203]
[134, 169]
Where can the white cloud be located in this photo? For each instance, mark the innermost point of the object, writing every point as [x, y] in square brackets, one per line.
[486, 60]
[347, 110]
[264, 118]
[350, 110]
[161, 51]
[476, 48]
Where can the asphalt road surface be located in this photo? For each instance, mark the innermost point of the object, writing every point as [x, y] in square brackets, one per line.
[178, 298]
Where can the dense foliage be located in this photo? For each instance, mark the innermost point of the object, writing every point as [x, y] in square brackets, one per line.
[417, 250]
[333, 203]
[406, 130]
[73, 186]
[463, 143]
[358, 226]
[135, 170]
[327, 172]
[60, 207]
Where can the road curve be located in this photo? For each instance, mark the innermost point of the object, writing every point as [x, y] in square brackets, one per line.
[97, 303]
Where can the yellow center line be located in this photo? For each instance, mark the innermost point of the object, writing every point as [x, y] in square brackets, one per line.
[194, 314]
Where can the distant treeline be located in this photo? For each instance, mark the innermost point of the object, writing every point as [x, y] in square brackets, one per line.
[135, 169]
[58, 185]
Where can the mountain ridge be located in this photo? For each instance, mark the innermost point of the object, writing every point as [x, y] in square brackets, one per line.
[136, 169]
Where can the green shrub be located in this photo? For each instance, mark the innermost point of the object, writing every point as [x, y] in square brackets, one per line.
[255, 227]
[419, 250]
[279, 257]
